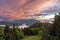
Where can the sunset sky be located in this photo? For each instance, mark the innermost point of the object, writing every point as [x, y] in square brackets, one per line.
[26, 9]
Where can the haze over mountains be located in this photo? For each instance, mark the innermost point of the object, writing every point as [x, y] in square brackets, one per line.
[19, 22]
[22, 11]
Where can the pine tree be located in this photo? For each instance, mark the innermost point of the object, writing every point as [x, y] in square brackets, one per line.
[15, 37]
[56, 28]
[6, 32]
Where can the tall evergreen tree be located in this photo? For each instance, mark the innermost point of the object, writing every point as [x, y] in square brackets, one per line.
[56, 28]
[46, 31]
[6, 32]
[15, 37]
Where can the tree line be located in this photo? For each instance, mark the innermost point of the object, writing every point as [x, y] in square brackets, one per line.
[46, 31]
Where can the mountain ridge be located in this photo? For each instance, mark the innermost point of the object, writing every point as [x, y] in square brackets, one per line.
[20, 22]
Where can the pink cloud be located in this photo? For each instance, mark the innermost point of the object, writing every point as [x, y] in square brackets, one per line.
[24, 9]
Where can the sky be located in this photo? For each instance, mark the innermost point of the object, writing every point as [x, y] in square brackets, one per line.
[26, 9]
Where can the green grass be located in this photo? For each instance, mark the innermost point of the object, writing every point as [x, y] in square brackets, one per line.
[32, 38]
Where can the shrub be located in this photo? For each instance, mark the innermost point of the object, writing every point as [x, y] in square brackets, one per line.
[1, 38]
[31, 31]
[19, 34]
[41, 34]
[34, 31]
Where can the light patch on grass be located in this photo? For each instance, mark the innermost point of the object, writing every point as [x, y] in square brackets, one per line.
[32, 38]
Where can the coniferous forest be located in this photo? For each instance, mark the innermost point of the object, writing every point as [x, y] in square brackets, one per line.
[37, 31]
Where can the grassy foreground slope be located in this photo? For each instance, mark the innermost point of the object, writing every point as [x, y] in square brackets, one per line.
[32, 38]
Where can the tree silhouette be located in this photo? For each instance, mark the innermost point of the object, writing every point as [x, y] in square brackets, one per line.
[15, 37]
[56, 28]
[6, 32]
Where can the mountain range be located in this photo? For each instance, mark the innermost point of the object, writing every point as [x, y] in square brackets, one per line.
[19, 22]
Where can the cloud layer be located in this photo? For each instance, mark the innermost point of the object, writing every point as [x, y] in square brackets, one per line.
[24, 9]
